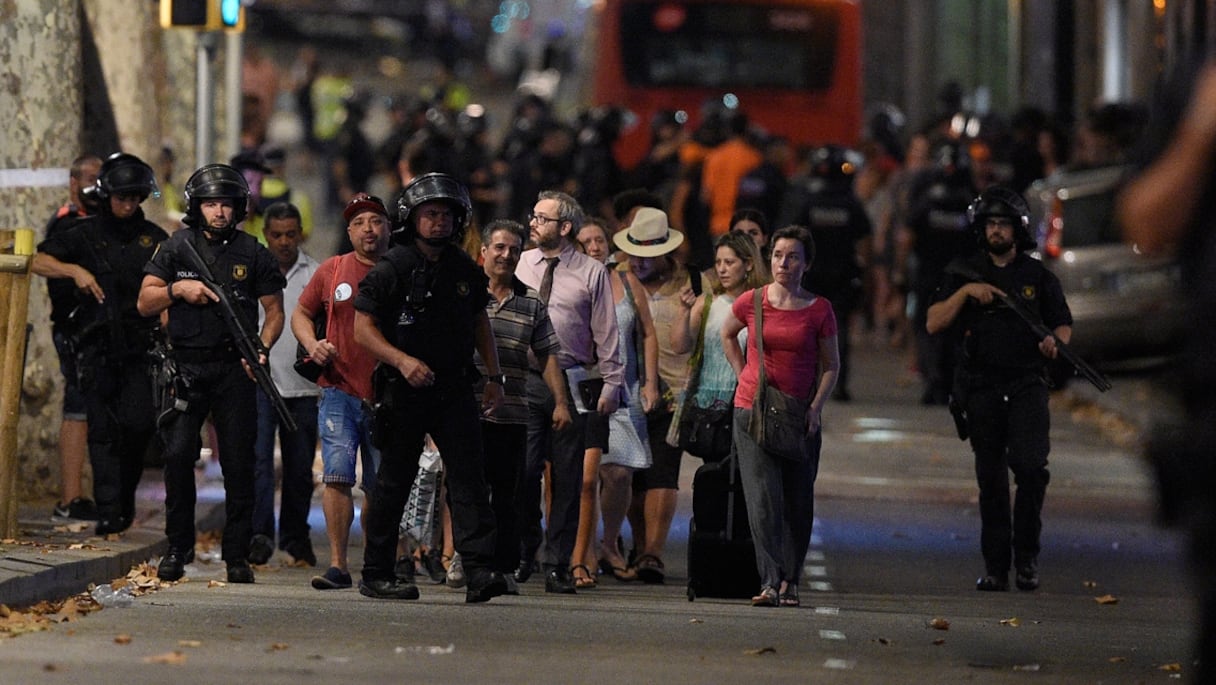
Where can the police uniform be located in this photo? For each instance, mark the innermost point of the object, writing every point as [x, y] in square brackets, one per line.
[1001, 385]
[938, 220]
[110, 343]
[211, 380]
[837, 222]
[428, 310]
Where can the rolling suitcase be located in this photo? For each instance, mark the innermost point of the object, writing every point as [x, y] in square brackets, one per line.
[721, 556]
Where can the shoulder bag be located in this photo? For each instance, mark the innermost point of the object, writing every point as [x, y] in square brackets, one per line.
[778, 421]
[703, 432]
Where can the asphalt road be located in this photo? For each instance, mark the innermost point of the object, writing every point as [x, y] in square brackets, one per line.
[893, 561]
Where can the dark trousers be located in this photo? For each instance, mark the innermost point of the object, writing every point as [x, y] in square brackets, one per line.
[223, 390]
[564, 451]
[1009, 425]
[780, 495]
[448, 412]
[505, 445]
[122, 421]
[298, 450]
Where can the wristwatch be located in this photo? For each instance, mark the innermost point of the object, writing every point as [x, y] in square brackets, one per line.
[500, 379]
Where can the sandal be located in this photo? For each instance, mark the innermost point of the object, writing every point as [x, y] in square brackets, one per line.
[767, 597]
[586, 580]
[650, 569]
[789, 596]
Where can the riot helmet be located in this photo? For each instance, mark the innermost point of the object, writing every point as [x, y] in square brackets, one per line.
[216, 182]
[125, 174]
[1001, 201]
[835, 164]
[426, 188]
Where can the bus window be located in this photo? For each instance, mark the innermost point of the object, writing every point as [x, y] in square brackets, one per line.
[793, 65]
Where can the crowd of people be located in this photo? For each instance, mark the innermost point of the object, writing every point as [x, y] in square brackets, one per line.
[551, 363]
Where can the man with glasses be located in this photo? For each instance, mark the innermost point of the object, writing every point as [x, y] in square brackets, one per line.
[579, 298]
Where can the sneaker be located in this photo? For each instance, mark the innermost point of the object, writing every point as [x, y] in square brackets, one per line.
[432, 563]
[261, 548]
[456, 577]
[388, 589]
[79, 509]
[333, 579]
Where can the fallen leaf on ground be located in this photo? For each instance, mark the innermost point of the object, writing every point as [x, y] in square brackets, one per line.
[939, 642]
[1117, 659]
[122, 639]
[883, 641]
[1107, 599]
[760, 650]
[216, 583]
[939, 624]
[1170, 667]
[278, 647]
[1011, 622]
[174, 658]
[695, 620]
[1026, 667]
[189, 643]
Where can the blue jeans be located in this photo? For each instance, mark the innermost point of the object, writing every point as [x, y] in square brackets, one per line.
[298, 449]
[344, 427]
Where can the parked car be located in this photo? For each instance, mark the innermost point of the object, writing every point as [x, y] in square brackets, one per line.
[1124, 304]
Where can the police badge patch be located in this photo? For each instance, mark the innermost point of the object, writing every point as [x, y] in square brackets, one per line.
[1028, 292]
[462, 288]
[145, 241]
[240, 272]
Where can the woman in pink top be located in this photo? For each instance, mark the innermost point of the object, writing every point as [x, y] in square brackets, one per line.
[800, 359]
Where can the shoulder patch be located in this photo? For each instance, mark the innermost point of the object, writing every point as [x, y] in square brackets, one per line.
[1029, 292]
[240, 272]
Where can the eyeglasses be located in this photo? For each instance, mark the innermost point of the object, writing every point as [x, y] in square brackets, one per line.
[533, 217]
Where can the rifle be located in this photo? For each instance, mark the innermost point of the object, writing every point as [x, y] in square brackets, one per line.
[247, 343]
[1083, 369]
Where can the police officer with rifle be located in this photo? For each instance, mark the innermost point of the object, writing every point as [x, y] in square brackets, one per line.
[210, 278]
[108, 340]
[1001, 390]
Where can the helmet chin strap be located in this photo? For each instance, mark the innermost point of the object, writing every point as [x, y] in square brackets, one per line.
[437, 242]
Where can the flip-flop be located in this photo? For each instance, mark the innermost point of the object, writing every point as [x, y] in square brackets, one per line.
[624, 575]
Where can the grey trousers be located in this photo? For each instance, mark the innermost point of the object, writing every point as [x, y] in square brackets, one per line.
[780, 496]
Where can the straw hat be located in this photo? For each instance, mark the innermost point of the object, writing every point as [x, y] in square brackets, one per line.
[648, 235]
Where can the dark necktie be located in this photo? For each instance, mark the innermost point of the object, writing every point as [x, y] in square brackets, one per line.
[546, 283]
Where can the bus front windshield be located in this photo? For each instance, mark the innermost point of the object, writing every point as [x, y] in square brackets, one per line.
[728, 45]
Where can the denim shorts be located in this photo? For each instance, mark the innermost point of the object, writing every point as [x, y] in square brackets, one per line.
[342, 425]
[73, 397]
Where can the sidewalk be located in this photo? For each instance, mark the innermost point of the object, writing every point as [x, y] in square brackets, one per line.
[50, 560]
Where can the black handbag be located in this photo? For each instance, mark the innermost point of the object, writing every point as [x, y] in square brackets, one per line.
[706, 432]
[703, 432]
[778, 420]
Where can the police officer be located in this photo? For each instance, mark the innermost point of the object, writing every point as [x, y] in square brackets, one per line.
[421, 312]
[210, 374]
[1000, 380]
[828, 207]
[104, 256]
[937, 221]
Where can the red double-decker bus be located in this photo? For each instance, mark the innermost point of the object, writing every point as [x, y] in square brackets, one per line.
[793, 66]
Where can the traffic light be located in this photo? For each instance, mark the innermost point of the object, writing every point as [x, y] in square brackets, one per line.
[203, 15]
[232, 15]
